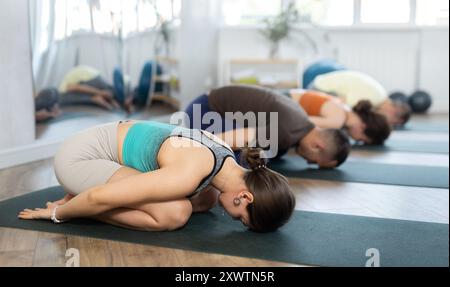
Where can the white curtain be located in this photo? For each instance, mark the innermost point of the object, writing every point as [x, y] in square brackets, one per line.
[198, 42]
[54, 55]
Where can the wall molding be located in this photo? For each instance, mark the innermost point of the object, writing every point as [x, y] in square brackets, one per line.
[29, 153]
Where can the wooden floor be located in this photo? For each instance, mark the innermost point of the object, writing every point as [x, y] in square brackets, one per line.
[30, 248]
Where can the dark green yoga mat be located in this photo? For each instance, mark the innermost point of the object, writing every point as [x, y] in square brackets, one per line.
[364, 172]
[407, 146]
[310, 238]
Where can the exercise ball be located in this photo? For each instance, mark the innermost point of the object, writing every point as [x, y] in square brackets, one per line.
[420, 102]
[399, 97]
[320, 68]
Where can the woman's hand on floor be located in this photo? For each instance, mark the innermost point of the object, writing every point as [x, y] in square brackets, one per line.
[36, 214]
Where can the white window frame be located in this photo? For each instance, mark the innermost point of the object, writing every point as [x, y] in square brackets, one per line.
[357, 23]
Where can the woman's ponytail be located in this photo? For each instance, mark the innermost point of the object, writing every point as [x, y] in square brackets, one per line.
[274, 201]
[253, 158]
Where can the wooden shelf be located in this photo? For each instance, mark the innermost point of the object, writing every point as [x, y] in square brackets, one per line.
[167, 100]
[271, 73]
[279, 85]
[264, 62]
[171, 61]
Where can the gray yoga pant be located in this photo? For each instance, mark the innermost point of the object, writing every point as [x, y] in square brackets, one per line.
[88, 159]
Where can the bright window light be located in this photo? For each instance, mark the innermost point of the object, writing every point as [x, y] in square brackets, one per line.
[326, 12]
[44, 22]
[238, 12]
[385, 11]
[78, 16]
[432, 12]
[106, 15]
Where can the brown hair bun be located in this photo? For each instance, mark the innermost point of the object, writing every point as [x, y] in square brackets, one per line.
[253, 158]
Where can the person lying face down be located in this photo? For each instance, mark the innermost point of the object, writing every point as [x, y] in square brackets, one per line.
[151, 176]
[353, 87]
[363, 123]
[82, 85]
[291, 127]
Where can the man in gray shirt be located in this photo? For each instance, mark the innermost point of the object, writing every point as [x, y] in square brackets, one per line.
[264, 117]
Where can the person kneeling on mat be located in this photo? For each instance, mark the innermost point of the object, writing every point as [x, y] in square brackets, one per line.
[82, 85]
[353, 87]
[363, 123]
[151, 176]
[327, 148]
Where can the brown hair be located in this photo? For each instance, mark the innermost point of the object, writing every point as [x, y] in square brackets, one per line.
[340, 142]
[377, 125]
[274, 202]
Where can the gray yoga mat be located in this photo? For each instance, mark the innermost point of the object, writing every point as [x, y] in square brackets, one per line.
[438, 126]
[310, 238]
[366, 172]
[407, 146]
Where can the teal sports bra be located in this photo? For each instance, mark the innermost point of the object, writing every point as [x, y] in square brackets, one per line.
[144, 140]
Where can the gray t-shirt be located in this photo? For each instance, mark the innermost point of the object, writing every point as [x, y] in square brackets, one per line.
[293, 122]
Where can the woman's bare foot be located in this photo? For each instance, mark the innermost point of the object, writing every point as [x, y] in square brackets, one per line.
[63, 201]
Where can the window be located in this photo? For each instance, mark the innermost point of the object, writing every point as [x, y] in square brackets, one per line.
[141, 15]
[341, 12]
[112, 16]
[326, 12]
[432, 12]
[78, 15]
[106, 16]
[385, 11]
[238, 12]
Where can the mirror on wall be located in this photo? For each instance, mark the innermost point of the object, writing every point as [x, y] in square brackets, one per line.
[97, 61]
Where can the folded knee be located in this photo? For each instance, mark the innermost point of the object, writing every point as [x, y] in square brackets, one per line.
[178, 216]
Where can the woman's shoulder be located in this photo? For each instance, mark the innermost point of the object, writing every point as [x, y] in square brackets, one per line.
[187, 154]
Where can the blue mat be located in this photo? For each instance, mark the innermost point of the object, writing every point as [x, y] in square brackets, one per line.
[407, 146]
[364, 172]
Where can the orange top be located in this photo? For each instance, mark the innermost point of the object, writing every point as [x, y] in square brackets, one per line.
[312, 102]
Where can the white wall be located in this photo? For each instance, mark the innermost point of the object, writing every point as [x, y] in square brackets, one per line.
[434, 67]
[198, 47]
[16, 98]
[402, 59]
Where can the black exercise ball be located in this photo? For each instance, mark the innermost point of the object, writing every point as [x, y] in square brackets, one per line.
[420, 102]
[399, 97]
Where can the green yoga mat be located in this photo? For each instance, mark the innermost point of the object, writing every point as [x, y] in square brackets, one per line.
[310, 238]
[407, 146]
[364, 172]
[427, 127]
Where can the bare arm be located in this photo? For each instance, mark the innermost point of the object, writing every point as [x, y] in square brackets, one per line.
[166, 184]
[238, 138]
[205, 201]
[333, 116]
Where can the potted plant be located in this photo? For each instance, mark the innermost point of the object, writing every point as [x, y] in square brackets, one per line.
[279, 27]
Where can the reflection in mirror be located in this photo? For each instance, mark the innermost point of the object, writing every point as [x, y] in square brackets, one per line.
[97, 61]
